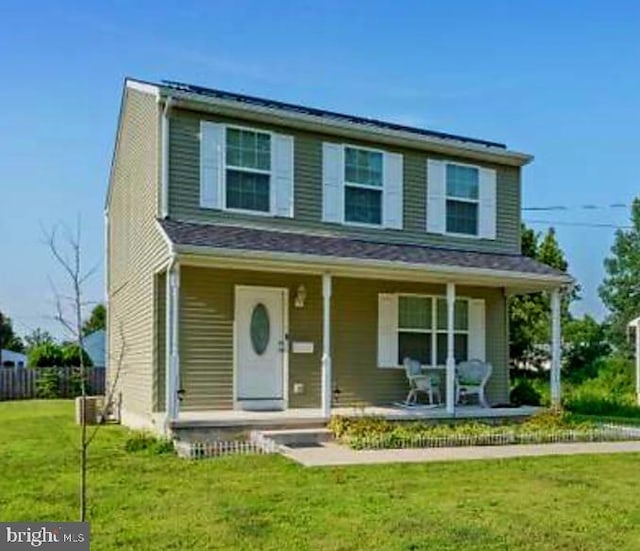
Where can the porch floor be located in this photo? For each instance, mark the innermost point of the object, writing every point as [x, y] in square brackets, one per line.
[311, 416]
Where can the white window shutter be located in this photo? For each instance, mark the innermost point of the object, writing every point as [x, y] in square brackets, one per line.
[387, 330]
[436, 196]
[488, 204]
[212, 136]
[477, 330]
[393, 184]
[282, 160]
[332, 182]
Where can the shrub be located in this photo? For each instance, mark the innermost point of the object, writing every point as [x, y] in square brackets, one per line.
[546, 426]
[611, 393]
[149, 443]
[524, 394]
[48, 384]
[45, 355]
[71, 356]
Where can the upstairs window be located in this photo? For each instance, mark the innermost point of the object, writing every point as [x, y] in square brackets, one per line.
[462, 199]
[363, 186]
[248, 170]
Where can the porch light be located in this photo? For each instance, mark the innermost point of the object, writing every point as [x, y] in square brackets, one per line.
[301, 296]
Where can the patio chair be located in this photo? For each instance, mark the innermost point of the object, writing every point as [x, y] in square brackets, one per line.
[420, 382]
[471, 378]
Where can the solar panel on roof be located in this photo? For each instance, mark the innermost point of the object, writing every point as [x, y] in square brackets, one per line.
[262, 102]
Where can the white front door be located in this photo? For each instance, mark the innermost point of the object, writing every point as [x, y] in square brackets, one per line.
[260, 343]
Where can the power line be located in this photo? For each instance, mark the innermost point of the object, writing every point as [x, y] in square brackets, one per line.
[579, 224]
[556, 208]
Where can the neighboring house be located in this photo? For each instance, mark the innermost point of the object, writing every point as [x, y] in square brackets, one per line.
[268, 256]
[94, 346]
[9, 358]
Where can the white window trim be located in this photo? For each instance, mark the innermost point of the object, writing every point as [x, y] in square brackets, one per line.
[448, 197]
[346, 183]
[434, 331]
[225, 167]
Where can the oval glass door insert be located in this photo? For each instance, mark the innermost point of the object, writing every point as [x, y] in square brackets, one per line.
[259, 329]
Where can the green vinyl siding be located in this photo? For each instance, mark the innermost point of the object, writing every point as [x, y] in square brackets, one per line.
[206, 338]
[184, 189]
[355, 333]
[206, 335]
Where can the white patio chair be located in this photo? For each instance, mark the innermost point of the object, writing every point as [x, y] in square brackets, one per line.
[471, 378]
[420, 382]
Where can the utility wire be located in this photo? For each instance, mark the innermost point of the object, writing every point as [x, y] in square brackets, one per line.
[578, 224]
[577, 207]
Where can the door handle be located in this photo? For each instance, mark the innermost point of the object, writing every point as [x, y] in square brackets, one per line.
[281, 347]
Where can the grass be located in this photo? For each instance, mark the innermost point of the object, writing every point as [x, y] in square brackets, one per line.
[145, 501]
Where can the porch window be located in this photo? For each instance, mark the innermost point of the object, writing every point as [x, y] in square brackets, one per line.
[462, 185]
[422, 329]
[248, 170]
[363, 187]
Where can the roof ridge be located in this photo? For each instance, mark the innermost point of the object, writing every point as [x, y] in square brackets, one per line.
[266, 102]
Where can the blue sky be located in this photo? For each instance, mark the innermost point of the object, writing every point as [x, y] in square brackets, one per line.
[556, 79]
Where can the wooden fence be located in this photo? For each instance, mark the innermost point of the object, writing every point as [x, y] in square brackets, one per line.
[23, 383]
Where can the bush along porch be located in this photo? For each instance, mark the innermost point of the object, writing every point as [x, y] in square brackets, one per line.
[551, 426]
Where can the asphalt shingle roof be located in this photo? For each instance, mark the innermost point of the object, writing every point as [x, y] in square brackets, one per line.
[252, 239]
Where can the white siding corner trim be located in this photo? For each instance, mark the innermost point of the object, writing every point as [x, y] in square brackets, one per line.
[282, 159]
[212, 137]
[332, 182]
[387, 330]
[488, 204]
[393, 184]
[477, 330]
[436, 196]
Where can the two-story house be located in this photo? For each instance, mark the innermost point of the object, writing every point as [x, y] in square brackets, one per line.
[269, 256]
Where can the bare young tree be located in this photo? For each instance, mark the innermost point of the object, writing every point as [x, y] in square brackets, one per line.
[65, 248]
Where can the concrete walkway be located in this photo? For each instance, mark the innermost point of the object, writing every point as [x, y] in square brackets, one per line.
[330, 453]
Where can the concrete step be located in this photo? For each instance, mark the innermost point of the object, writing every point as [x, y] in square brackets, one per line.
[292, 437]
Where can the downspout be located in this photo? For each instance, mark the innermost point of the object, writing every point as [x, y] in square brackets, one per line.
[170, 342]
[106, 285]
[164, 177]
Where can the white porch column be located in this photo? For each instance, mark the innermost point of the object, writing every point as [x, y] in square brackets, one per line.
[172, 363]
[326, 345]
[556, 347]
[451, 360]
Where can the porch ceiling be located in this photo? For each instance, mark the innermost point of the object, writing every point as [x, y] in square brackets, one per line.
[253, 248]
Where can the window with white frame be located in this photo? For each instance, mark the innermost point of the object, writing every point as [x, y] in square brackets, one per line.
[363, 186]
[462, 199]
[248, 170]
[422, 329]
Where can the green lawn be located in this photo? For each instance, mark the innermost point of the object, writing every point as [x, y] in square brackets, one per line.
[140, 501]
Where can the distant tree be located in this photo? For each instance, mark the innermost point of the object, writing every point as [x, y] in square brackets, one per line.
[8, 339]
[620, 290]
[37, 337]
[71, 356]
[585, 343]
[530, 315]
[48, 354]
[96, 321]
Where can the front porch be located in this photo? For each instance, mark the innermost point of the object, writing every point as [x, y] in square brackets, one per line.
[336, 343]
[303, 417]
